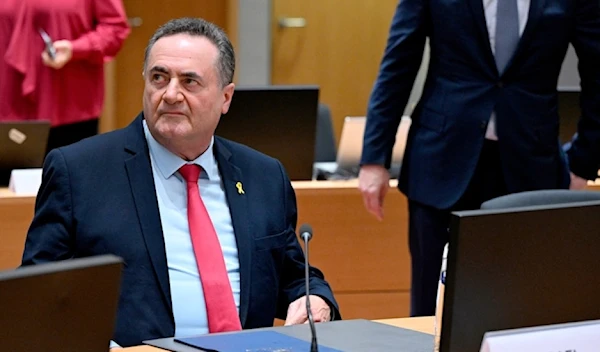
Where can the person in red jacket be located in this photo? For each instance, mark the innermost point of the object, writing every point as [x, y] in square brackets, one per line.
[68, 88]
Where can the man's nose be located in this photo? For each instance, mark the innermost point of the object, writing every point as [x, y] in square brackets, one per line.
[173, 93]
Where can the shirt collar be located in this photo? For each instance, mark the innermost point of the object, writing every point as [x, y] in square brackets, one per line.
[168, 163]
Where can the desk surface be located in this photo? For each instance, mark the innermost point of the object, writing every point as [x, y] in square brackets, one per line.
[338, 184]
[301, 185]
[421, 324]
[6, 193]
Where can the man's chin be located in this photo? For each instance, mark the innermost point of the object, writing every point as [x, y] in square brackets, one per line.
[174, 130]
[172, 119]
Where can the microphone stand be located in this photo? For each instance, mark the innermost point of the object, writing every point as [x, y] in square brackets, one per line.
[313, 345]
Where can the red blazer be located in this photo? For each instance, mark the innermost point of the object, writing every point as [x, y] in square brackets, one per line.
[75, 93]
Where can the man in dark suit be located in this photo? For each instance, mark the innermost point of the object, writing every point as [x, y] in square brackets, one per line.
[206, 226]
[487, 123]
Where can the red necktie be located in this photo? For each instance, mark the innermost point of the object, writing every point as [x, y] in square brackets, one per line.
[220, 306]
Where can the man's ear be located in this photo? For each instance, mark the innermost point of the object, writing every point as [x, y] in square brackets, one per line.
[228, 95]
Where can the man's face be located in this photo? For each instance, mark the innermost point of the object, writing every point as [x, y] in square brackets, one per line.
[183, 95]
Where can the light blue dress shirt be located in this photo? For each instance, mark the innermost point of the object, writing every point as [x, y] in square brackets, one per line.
[187, 294]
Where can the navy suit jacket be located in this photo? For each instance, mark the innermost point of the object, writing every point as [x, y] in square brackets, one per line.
[463, 87]
[97, 197]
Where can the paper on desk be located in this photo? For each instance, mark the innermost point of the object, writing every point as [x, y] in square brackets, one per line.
[255, 341]
[25, 182]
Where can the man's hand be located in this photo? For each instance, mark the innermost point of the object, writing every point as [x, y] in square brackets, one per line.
[64, 53]
[296, 313]
[577, 182]
[373, 183]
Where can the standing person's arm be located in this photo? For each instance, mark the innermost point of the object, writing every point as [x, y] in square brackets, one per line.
[584, 153]
[397, 73]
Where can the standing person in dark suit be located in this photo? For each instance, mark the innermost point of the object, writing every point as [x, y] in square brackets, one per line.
[206, 226]
[487, 123]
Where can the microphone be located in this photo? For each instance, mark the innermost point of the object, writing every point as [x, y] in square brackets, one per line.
[306, 234]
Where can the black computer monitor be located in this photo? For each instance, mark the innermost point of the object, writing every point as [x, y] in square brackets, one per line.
[22, 146]
[279, 121]
[520, 267]
[61, 306]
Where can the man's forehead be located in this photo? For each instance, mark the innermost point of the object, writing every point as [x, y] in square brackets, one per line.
[183, 52]
[182, 44]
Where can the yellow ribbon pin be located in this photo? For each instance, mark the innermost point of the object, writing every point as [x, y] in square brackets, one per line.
[239, 188]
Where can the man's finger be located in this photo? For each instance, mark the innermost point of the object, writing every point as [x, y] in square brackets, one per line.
[294, 313]
[373, 204]
[296, 317]
[320, 309]
[577, 183]
[46, 59]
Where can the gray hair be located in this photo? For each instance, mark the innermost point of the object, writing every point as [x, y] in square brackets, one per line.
[202, 28]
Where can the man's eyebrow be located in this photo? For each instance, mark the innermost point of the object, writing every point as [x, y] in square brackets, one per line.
[186, 74]
[193, 75]
[159, 69]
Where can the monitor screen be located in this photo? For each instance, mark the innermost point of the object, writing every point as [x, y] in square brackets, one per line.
[22, 146]
[279, 121]
[520, 267]
[68, 305]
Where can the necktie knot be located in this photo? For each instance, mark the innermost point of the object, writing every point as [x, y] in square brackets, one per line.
[190, 172]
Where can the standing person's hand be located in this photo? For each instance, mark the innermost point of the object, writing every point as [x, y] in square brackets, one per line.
[373, 183]
[577, 182]
[64, 53]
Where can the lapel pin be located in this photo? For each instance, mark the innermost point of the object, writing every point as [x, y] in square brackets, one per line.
[239, 188]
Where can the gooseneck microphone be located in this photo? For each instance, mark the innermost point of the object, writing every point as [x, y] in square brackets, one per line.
[306, 235]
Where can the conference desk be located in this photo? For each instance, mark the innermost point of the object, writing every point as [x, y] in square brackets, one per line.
[16, 213]
[366, 261]
[421, 324]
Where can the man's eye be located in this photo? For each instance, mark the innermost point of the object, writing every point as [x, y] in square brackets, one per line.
[191, 82]
[157, 78]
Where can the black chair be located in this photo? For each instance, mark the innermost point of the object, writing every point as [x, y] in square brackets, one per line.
[540, 197]
[325, 146]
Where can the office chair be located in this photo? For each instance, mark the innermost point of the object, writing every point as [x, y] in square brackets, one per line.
[325, 146]
[540, 197]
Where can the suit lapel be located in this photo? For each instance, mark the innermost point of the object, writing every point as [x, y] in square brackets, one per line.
[233, 183]
[482, 32]
[141, 181]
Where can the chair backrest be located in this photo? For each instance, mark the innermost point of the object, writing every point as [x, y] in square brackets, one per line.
[325, 146]
[540, 197]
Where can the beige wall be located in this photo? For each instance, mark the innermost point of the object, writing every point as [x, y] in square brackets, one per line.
[246, 22]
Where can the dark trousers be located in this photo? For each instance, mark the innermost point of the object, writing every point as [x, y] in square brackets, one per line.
[428, 229]
[60, 136]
